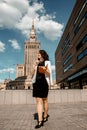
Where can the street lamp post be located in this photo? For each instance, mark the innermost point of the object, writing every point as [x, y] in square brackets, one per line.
[10, 70]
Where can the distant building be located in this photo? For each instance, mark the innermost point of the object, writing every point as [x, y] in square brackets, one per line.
[23, 71]
[2, 86]
[20, 70]
[71, 53]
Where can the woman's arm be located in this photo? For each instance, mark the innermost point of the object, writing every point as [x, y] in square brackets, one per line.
[34, 68]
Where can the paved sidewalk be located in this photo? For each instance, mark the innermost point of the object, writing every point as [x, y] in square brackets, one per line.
[62, 117]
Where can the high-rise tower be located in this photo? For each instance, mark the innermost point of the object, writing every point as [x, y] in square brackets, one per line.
[31, 50]
[23, 74]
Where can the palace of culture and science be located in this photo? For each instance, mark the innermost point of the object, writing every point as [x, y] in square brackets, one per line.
[23, 71]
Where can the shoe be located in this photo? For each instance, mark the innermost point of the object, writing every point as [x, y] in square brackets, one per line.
[40, 123]
[45, 118]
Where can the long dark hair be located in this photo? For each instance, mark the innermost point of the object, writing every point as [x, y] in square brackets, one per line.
[44, 54]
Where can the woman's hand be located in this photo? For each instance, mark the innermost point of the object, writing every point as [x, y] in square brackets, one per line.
[35, 63]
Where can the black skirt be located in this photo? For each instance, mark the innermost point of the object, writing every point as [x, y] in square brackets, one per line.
[40, 87]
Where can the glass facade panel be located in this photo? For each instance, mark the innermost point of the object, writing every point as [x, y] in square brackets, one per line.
[80, 24]
[82, 54]
[82, 42]
[84, 39]
[83, 6]
[78, 74]
[66, 44]
[68, 67]
[67, 59]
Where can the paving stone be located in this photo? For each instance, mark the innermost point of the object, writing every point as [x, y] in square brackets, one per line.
[71, 116]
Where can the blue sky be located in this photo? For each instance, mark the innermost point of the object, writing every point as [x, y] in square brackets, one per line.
[50, 18]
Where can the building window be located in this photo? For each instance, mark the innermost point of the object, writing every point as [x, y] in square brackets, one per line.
[84, 39]
[80, 24]
[66, 44]
[67, 59]
[83, 6]
[82, 42]
[84, 71]
[82, 54]
[29, 46]
[68, 67]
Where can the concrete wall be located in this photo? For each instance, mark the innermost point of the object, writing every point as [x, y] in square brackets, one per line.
[55, 96]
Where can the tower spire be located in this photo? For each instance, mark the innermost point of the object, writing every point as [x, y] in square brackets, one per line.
[33, 23]
[32, 33]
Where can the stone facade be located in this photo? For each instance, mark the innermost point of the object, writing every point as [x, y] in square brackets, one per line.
[19, 70]
[23, 71]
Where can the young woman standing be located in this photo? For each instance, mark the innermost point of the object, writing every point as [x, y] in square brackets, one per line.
[42, 79]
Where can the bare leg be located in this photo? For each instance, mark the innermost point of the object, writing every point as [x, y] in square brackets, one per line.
[45, 106]
[39, 108]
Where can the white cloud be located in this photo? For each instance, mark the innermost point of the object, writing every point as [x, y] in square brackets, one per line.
[2, 47]
[15, 44]
[11, 11]
[18, 14]
[50, 28]
[11, 70]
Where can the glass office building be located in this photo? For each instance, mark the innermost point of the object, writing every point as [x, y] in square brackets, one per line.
[71, 53]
